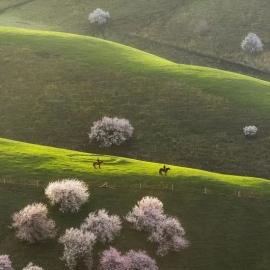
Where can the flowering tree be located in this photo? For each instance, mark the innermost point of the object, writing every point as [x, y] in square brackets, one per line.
[113, 260]
[77, 245]
[69, 194]
[141, 261]
[109, 131]
[31, 266]
[252, 44]
[169, 234]
[33, 224]
[98, 16]
[147, 214]
[5, 263]
[105, 227]
[250, 130]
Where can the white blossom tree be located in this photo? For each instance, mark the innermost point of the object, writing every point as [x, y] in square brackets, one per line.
[109, 131]
[169, 234]
[99, 16]
[113, 260]
[252, 44]
[31, 266]
[5, 263]
[147, 214]
[68, 194]
[141, 261]
[77, 245]
[250, 130]
[105, 227]
[32, 223]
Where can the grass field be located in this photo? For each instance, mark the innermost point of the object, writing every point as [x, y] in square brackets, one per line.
[213, 27]
[225, 232]
[53, 86]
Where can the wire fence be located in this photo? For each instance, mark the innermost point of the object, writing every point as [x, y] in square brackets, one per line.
[161, 186]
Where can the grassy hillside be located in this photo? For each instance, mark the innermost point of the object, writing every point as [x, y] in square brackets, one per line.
[211, 28]
[53, 86]
[225, 232]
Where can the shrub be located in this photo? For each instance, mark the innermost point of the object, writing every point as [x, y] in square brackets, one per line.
[250, 130]
[141, 261]
[252, 44]
[69, 194]
[5, 263]
[33, 224]
[169, 234]
[98, 16]
[77, 245]
[105, 227]
[147, 214]
[109, 131]
[113, 260]
[30, 266]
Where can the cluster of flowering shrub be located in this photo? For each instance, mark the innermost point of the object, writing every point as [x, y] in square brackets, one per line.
[33, 225]
[166, 231]
[109, 131]
[99, 16]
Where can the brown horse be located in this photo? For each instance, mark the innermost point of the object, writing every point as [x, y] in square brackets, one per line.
[163, 170]
[97, 163]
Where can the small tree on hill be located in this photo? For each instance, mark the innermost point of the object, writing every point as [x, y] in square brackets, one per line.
[31, 266]
[5, 263]
[99, 16]
[109, 131]
[33, 224]
[77, 245]
[104, 226]
[250, 131]
[252, 44]
[69, 194]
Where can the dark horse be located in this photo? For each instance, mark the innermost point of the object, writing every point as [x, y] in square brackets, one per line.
[165, 170]
[98, 162]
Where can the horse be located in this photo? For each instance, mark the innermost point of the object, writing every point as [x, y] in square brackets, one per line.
[163, 170]
[97, 163]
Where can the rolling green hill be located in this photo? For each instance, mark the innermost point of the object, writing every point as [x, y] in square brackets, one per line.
[225, 232]
[53, 86]
[188, 31]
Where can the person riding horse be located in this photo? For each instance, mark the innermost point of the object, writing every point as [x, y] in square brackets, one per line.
[164, 169]
[98, 162]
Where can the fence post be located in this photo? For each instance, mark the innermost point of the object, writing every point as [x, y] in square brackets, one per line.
[172, 187]
[205, 191]
[140, 185]
[4, 180]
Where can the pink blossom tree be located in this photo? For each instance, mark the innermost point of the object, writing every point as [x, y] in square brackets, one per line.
[105, 227]
[109, 131]
[141, 261]
[77, 245]
[31, 266]
[147, 214]
[32, 223]
[5, 263]
[113, 260]
[68, 194]
[169, 234]
[252, 44]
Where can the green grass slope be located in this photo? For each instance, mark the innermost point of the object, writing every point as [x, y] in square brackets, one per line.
[54, 86]
[225, 232]
[215, 27]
